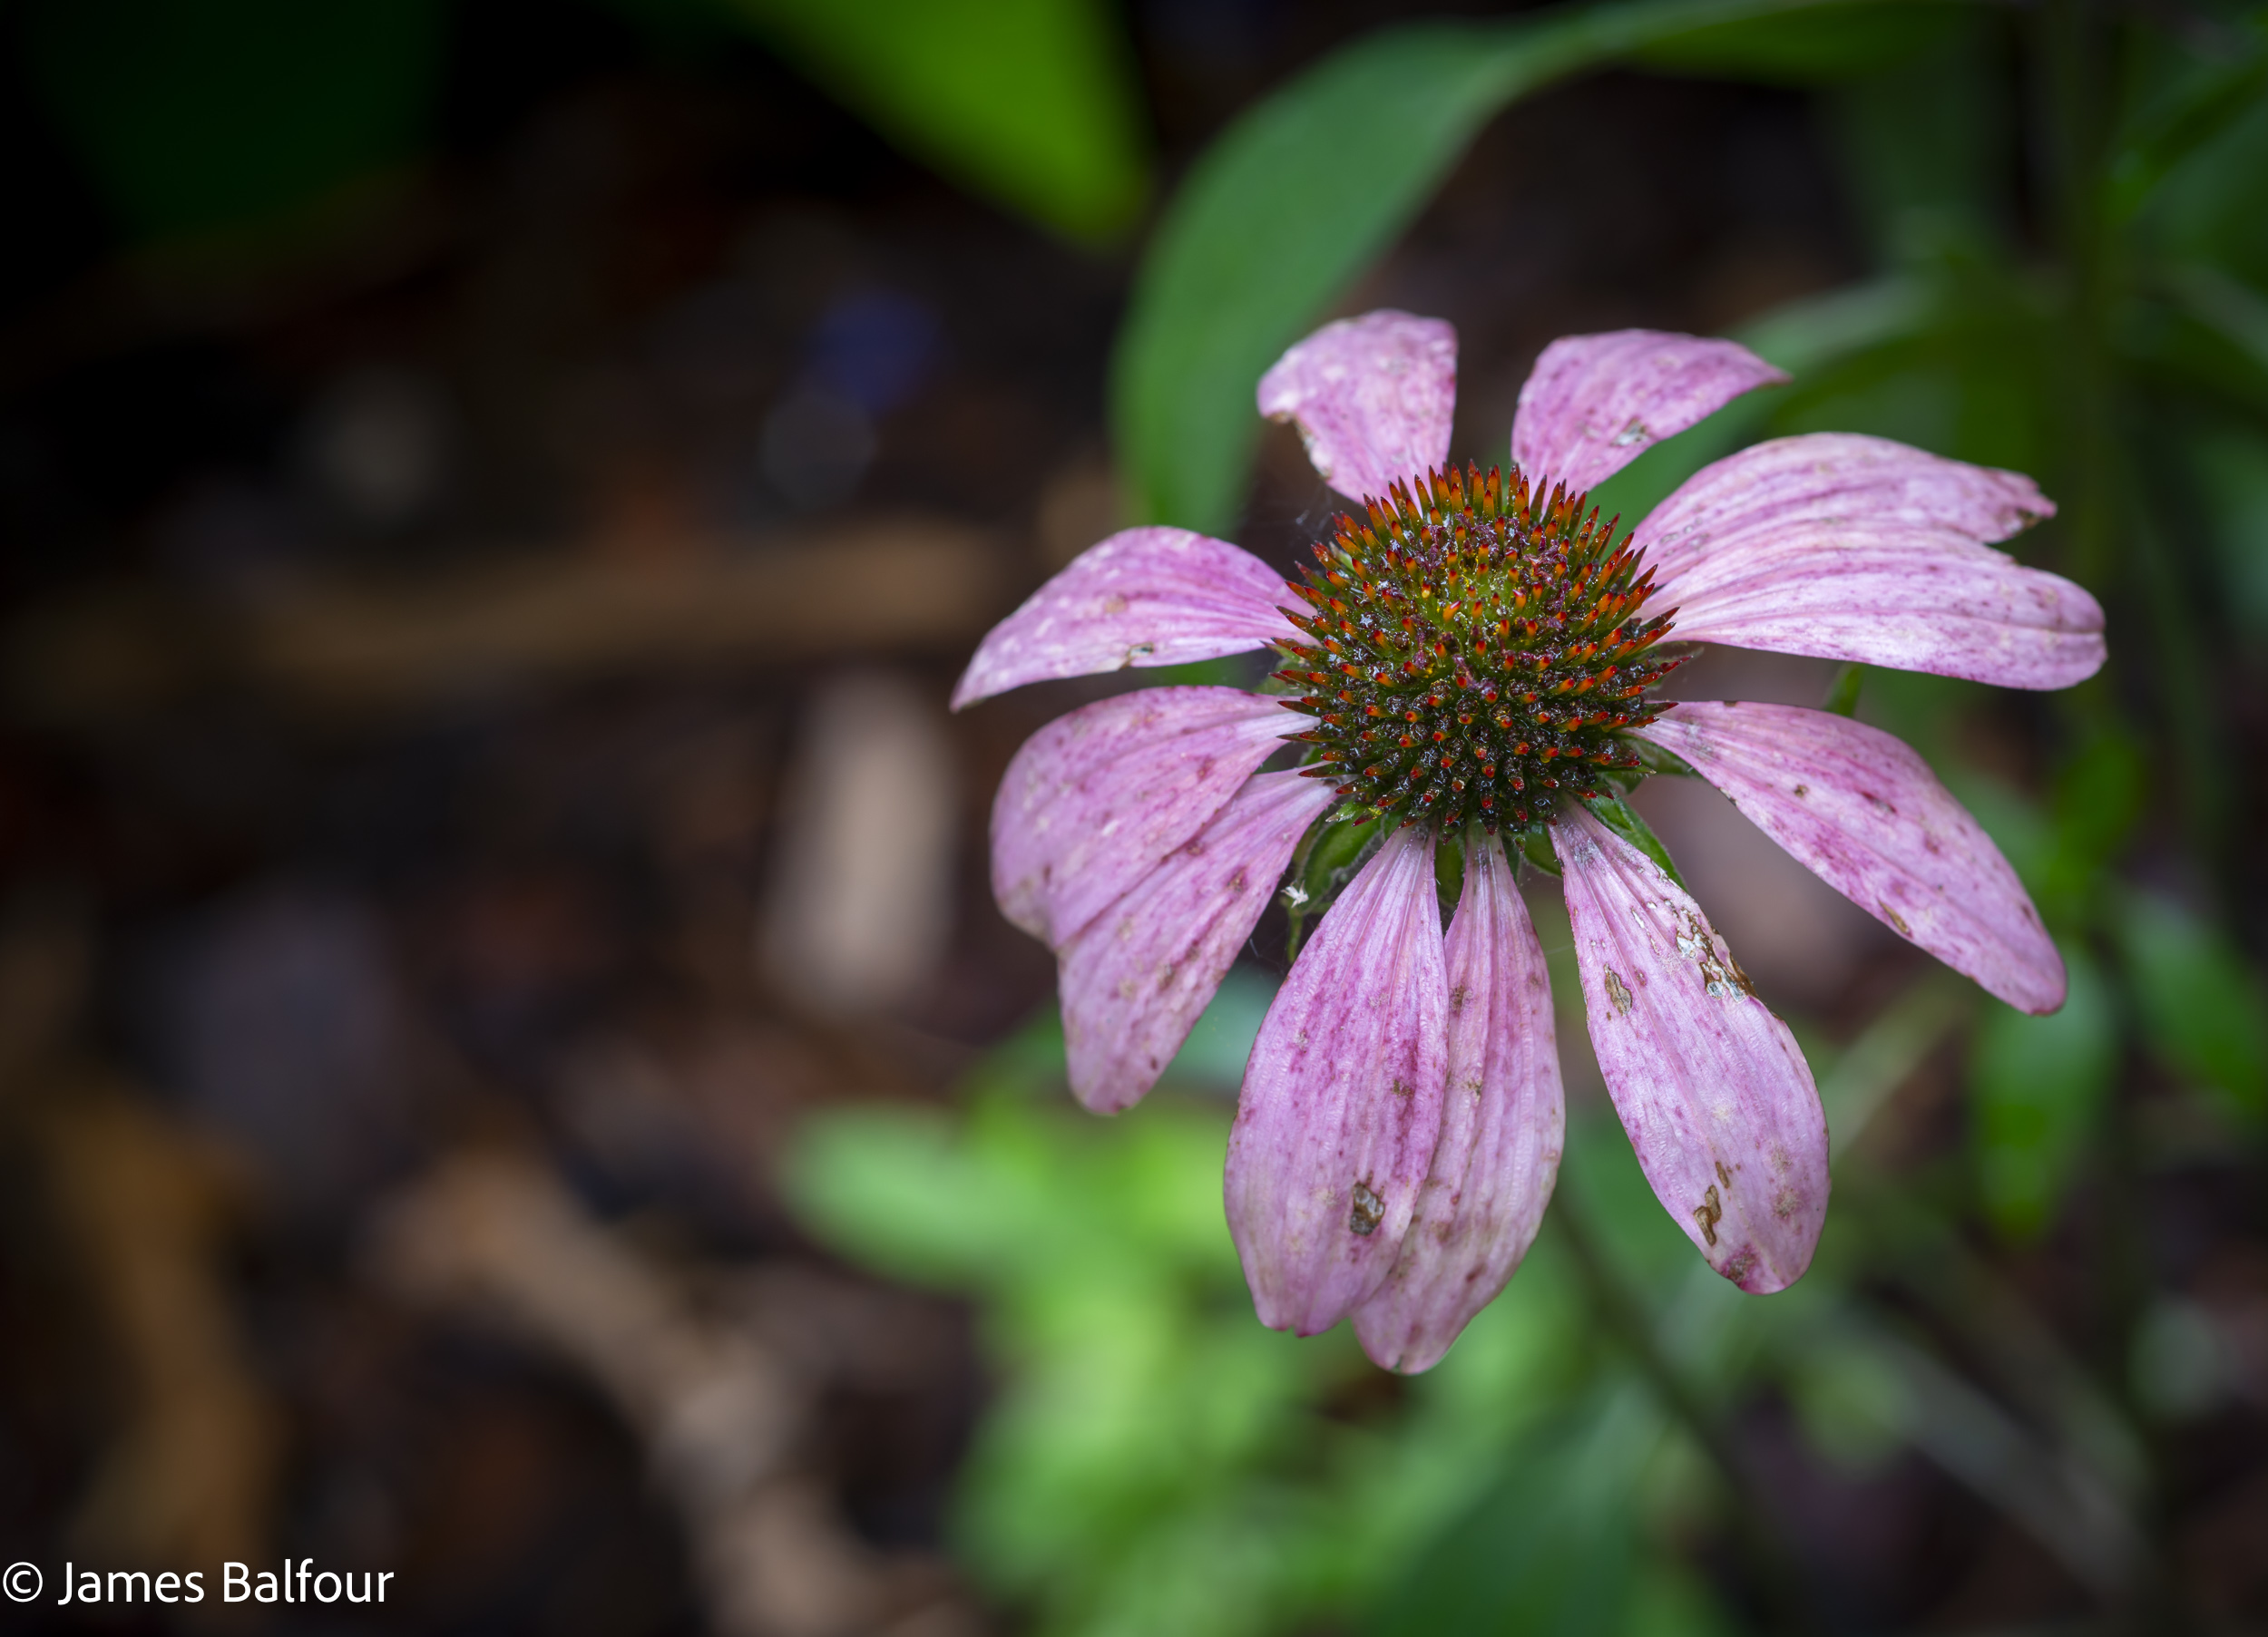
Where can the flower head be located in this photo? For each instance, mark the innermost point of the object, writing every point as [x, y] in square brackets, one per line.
[1469, 662]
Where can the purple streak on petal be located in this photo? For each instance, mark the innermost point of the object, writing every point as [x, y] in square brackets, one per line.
[1099, 798]
[1715, 1095]
[1856, 547]
[1135, 978]
[1142, 597]
[1502, 1120]
[1593, 404]
[1867, 815]
[1372, 397]
[1341, 1102]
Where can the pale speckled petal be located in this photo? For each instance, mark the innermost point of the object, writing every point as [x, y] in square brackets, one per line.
[1143, 597]
[1593, 404]
[1101, 796]
[1831, 478]
[1711, 1086]
[1867, 815]
[1845, 547]
[1342, 1102]
[1136, 978]
[1503, 1117]
[1372, 397]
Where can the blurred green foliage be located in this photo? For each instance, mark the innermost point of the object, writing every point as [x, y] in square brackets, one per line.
[203, 117]
[1030, 103]
[1156, 1461]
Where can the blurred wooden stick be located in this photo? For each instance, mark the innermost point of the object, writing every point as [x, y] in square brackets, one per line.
[719, 1412]
[894, 585]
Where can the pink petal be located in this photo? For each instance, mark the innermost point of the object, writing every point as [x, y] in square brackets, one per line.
[1099, 798]
[1502, 1118]
[1593, 404]
[1136, 977]
[1718, 1099]
[1373, 397]
[1142, 597]
[1868, 816]
[1341, 1102]
[1831, 478]
[1856, 547]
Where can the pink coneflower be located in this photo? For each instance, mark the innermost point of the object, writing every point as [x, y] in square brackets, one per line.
[1470, 665]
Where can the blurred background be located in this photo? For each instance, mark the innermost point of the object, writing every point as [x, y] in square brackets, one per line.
[509, 1070]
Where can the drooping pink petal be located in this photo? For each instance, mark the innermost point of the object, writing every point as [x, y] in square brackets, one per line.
[1856, 547]
[1142, 597]
[1372, 397]
[1342, 1102]
[1715, 1095]
[1136, 976]
[1593, 404]
[1867, 815]
[1502, 1120]
[1101, 796]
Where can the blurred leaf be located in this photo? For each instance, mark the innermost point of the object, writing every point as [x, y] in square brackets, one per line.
[2233, 310]
[2230, 470]
[1284, 211]
[2212, 98]
[1853, 1402]
[2037, 1088]
[1553, 1549]
[1926, 142]
[2097, 800]
[1887, 1051]
[1033, 102]
[2203, 1009]
[196, 115]
[1806, 48]
[2210, 209]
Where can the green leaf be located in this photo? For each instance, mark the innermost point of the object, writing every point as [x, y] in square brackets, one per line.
[1536, 844]
[2202, 1007]
[1284, 213]
[2037, 1089]
[1326, 861]
[1623, 819]
[1032, 103]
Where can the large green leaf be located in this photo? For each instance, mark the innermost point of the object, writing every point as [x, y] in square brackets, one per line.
[1306, 189]
[1033, 102]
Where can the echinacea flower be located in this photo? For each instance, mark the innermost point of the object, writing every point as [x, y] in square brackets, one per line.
[1470, 665]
